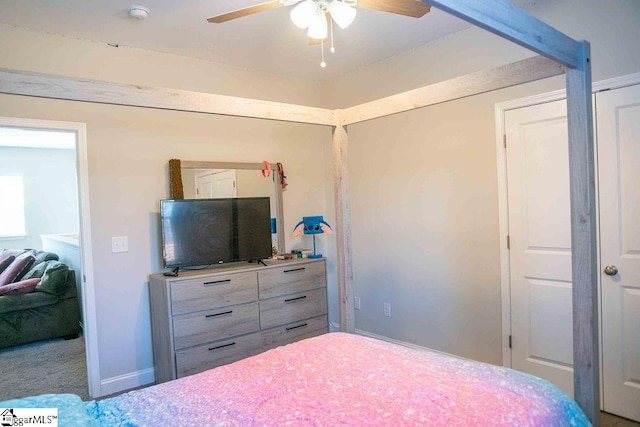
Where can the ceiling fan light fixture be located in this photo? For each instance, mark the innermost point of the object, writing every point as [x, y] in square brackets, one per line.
[342, 13]
[303, 14]
[318, 27]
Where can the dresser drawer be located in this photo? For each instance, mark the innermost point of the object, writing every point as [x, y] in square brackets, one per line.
[292, 278]
[197, 359]
[208, 292]
[212, 325]
[292, 332]
[201, 320]
[293, 307]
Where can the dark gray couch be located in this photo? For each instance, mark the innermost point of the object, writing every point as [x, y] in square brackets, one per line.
[50, 311]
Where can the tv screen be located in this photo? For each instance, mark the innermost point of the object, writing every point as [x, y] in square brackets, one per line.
[199, 232]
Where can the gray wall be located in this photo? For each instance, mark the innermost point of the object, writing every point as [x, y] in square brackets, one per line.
[50, 191]
[424, 191]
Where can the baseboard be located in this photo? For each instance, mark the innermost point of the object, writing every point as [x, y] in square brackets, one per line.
[127, 381]
[405, 344]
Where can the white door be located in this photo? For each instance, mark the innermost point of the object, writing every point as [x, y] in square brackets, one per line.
[540, 242]
[218, 184]
[618, 131]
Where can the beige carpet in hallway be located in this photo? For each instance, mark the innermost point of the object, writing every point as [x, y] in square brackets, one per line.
[52, 366]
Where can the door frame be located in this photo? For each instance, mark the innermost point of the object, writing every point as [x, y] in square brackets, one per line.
[503, 208]
[90, 322]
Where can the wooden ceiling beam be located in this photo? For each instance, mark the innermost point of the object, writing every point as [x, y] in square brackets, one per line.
[96, 91]
[516, 73]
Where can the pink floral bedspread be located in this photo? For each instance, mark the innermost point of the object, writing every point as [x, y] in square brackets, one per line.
[344, 379]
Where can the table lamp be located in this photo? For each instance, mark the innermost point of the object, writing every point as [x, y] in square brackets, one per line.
[312, 225]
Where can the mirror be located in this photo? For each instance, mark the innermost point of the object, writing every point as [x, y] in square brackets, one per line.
[195, 179]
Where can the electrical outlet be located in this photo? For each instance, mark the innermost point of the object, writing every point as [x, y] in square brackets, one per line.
[356, 303]
[387, 309]
[119, 244]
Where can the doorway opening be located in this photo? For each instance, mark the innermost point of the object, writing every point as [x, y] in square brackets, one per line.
[47, 162]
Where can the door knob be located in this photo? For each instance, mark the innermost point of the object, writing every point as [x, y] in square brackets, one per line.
[611, 270]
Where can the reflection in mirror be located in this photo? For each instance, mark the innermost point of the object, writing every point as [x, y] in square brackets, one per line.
[223, 183]
[204, 180]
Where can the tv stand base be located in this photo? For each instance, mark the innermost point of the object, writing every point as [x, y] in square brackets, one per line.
[173, 273]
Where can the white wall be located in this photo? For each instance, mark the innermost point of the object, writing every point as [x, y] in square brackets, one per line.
[128, 151]
[50, 192]
[423, 183]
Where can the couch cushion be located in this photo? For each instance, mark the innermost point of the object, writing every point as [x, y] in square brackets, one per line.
[42, 256]
[37, 270]
[9, 303]
[19, 288]
[31, 261]
[9, 252]
[17, 268]
[54, 279]
[5, 262]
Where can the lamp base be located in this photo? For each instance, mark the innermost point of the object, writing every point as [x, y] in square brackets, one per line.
[315, 256]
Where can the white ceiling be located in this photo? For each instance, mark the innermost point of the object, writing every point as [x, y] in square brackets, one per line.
[266, 41]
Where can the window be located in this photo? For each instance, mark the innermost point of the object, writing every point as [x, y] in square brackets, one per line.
[12, 206]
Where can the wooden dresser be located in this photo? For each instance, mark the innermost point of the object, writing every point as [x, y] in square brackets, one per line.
[204, 319]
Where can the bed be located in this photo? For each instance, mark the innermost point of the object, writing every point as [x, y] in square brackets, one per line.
[332, 379]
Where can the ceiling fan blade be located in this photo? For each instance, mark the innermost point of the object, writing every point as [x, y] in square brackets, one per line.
[245, 11]
[413, 8]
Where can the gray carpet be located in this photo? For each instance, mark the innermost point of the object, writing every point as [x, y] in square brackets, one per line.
[52, 366]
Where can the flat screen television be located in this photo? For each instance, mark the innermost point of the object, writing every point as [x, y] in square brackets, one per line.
[197, 232]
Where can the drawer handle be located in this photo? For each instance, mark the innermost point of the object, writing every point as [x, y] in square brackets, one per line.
[295, 269]
[222, 346]
[295, 299]
[296, 327]
[217, 282]
[219, 314]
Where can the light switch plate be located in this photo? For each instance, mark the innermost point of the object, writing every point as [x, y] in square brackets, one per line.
[387, 309]
[119, 244]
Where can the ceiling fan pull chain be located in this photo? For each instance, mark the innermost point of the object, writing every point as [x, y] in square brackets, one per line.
[322, 64]
[333, 49]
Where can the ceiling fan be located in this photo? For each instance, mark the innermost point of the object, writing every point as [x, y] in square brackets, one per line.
[413, 8]
[318, 15]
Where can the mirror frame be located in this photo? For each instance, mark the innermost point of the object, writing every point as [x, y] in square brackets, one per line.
[177, 189]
